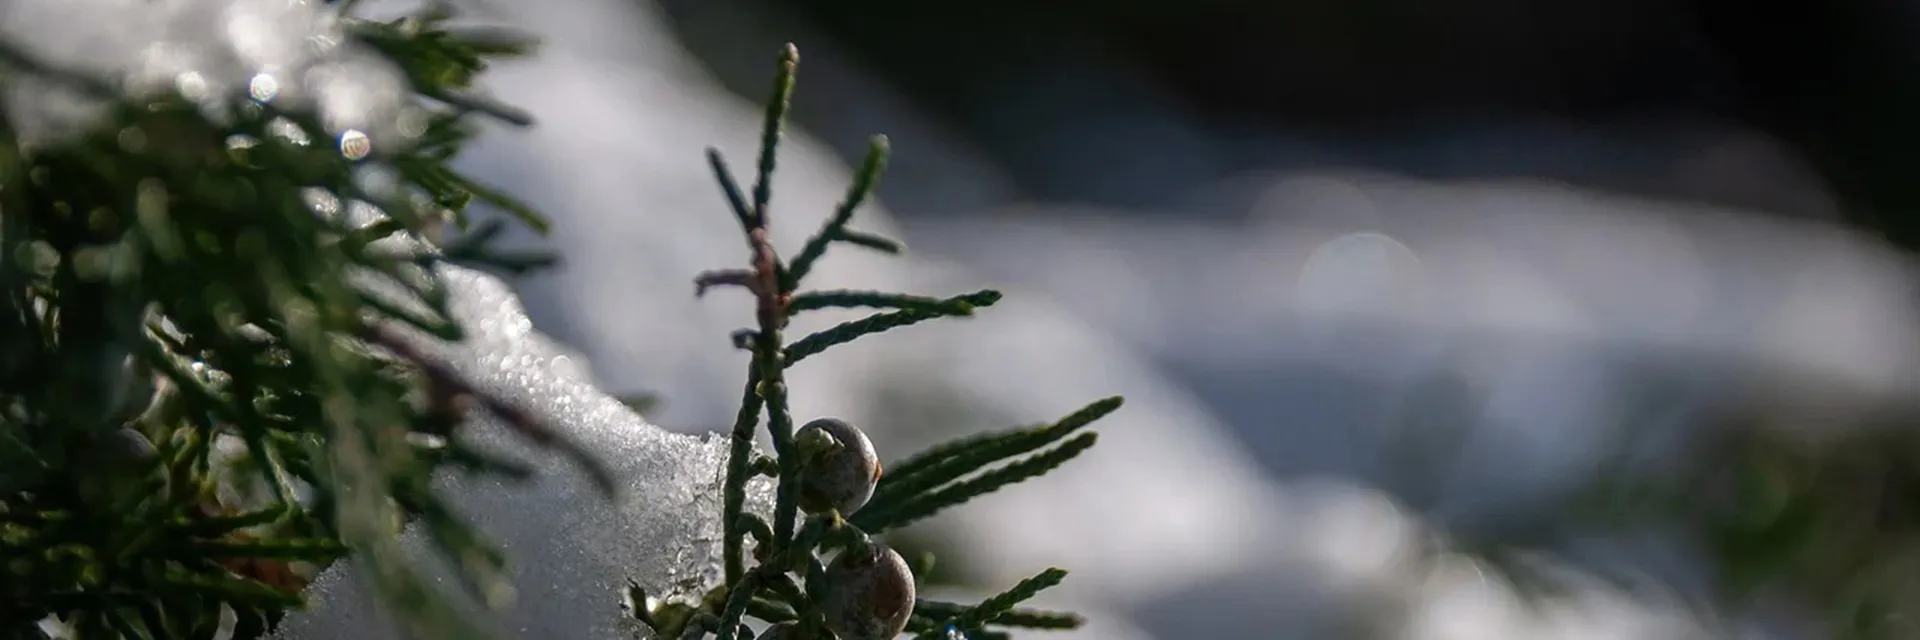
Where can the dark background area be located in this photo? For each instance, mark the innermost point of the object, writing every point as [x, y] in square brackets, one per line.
[1834, 80]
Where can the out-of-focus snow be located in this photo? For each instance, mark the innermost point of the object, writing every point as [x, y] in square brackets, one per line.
[1548, 261]
[291, 53]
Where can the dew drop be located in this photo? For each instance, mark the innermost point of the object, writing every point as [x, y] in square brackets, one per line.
[264, 87]
[354, 144]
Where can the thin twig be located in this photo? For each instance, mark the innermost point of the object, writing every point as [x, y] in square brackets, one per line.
[766, 385]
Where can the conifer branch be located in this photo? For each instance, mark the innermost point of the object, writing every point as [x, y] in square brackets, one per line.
[872, 241]
[852, 330]
[739, 456]
[831, 461]
[944, 463]
[992, 609]
[910, 510]
[844, 299]
[766, 386]
[473, 250]
[934, 614]
[771, 130]
[836, 226]
[185, 238]
[730, 187]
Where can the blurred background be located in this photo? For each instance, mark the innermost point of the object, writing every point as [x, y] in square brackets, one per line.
[1478, 319]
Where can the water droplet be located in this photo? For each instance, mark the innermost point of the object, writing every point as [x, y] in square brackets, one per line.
[264, 87]
[354, 144]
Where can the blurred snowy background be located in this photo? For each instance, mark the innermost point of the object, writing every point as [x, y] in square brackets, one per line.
[1404, 297]
[1381, 325]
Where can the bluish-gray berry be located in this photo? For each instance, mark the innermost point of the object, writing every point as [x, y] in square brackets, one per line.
[839, 467]
[868, 593]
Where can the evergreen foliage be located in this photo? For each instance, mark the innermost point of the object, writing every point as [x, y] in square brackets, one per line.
[912, 489]
[188, 279]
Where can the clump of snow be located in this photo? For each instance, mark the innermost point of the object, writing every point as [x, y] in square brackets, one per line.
[663, 531]
[293, 54]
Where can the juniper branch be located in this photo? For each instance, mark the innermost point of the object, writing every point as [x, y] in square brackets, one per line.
[849, 331]
[771, 130]
[872, 241]
[740, 595]
[836, 226]
[766, 387]
[876, 520]
[935, 613]
[738, 456]
[932, 482]
[991, 609]
[843, 299]
[944, 463]
[729, 187]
